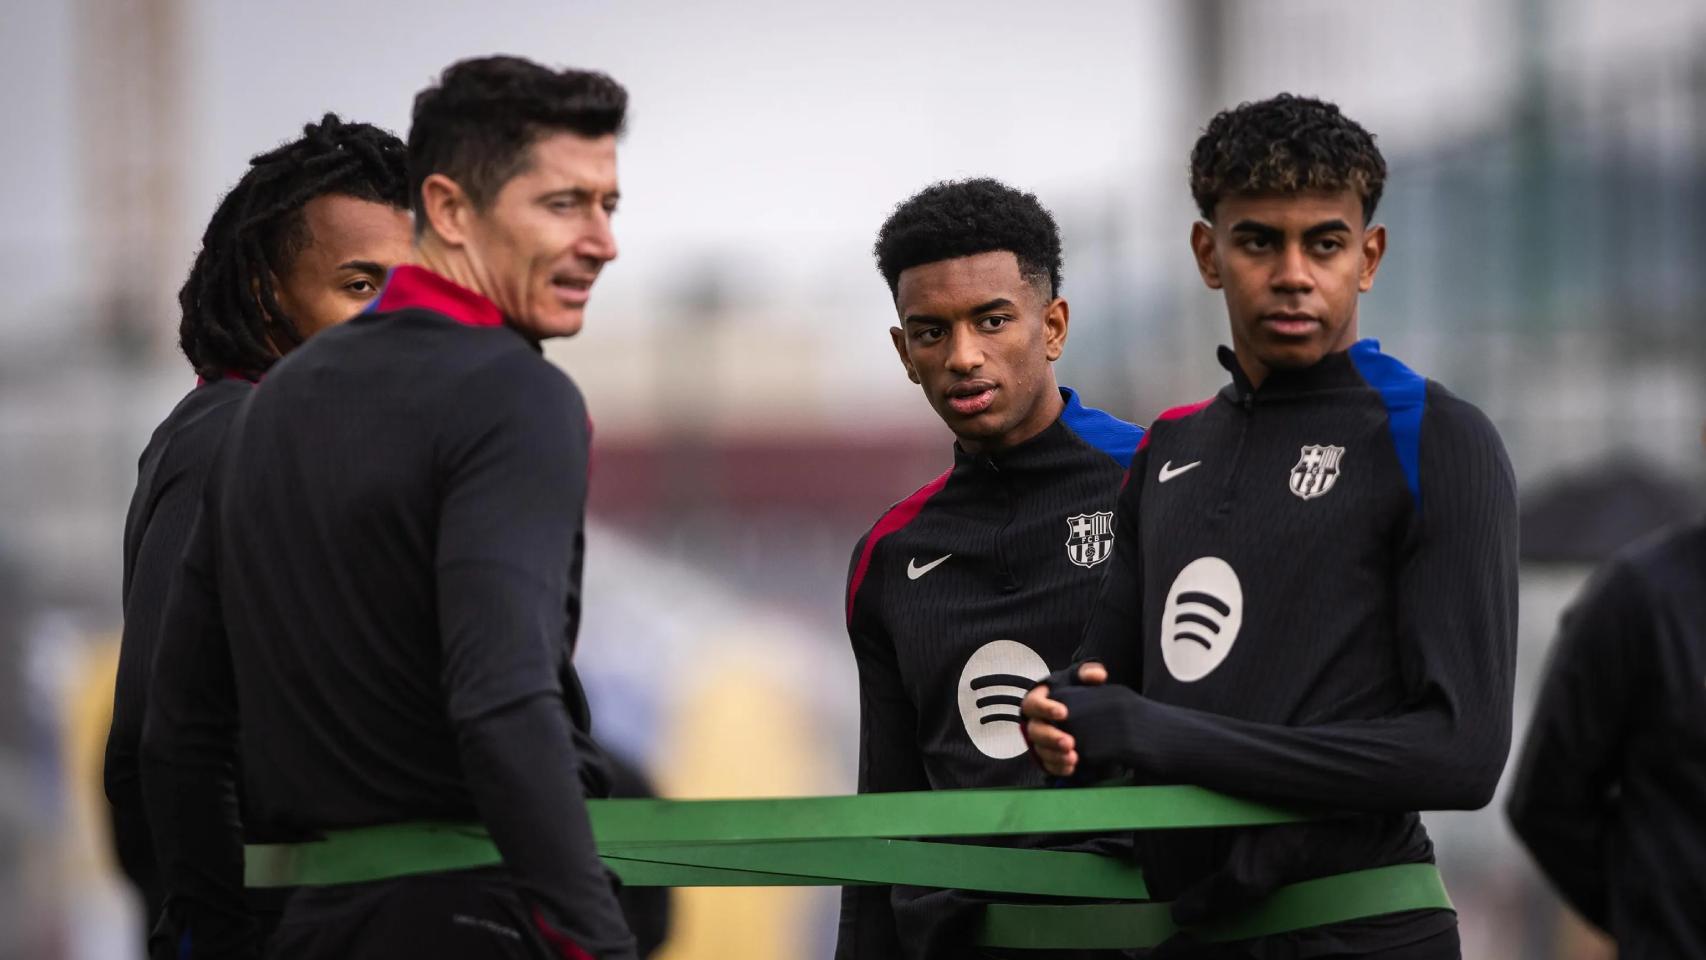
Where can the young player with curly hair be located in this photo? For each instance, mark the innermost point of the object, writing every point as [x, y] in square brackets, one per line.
[972, 588]
[1312, 598]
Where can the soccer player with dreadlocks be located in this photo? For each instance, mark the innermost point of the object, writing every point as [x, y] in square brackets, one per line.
[303, 241]
[378, 607]
[1312, 598]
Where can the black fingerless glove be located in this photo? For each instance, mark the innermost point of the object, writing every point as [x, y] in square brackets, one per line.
[1106, 722]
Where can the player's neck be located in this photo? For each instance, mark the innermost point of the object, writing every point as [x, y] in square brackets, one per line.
[1255, 371]
[452, 263]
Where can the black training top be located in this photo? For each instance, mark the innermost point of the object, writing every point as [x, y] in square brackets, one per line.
[1314, 592]
[385, 575]
[958, 599]
[169, 479]
[1610, 792]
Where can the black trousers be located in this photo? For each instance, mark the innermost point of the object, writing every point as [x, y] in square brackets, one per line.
[1443, 945]
[940, 925]
[472, 914]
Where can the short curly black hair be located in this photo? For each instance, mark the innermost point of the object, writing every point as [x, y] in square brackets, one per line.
[477, 123]
[1285, 144]
[959, 218]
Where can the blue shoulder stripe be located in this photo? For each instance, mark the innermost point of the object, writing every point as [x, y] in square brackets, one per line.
[1105, 432]
[1405, 393]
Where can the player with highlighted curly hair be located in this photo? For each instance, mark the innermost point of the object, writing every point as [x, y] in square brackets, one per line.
[1312, 598]
[966, 592]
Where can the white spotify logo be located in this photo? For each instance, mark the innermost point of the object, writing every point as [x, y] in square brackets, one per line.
[991, 687]
[1200, 622]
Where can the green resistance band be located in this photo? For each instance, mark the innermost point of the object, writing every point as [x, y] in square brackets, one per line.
[831, 840]
[930, 813]
[1312, 903]
[376, 853]
[839, 841]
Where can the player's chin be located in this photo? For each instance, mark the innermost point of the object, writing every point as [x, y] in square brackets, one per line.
[1291, 353]
[559, 321]
[983, 427]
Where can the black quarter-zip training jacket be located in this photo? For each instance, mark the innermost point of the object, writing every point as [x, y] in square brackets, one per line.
[376, 614]
[1312, 601]
[958, 599]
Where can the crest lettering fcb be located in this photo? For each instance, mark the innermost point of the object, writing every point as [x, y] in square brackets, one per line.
[1089, 538]
[1316, 471]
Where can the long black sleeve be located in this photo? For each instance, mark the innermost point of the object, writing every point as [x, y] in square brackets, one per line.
[163, 509]
[889, 760]
[512, 511]
[1445, 747]
[189, 761]
[518, 768]
[1563, 800]
[159, 551]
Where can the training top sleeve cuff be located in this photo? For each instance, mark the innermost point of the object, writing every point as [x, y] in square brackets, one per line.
[1066, 676]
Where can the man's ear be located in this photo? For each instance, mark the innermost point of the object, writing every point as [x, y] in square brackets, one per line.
[446, 207]
[270, 322]
[1373, 248]
[1056, 319]
[1202, 248]
[899, 337]
[255, 293]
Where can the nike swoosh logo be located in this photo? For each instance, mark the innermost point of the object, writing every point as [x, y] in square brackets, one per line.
[914, 571]
[1168, 472]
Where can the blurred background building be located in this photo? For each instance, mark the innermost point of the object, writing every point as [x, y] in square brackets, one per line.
[1547, 209]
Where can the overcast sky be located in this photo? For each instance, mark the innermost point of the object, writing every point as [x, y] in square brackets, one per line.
[775, 134]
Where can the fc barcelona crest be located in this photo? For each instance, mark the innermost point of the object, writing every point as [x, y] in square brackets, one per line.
[1316, 471]
[1089, 538]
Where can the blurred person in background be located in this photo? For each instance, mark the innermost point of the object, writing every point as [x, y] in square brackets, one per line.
[302, 242]
[1312, 599]
[1610, 790]
[378, 607]
[978, 584]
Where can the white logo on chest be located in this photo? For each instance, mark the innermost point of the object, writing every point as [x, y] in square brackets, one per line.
[1090, 538]
[1199, 624]
[914, 571]
[1316, 471]
[1168, 471]
[992, 685]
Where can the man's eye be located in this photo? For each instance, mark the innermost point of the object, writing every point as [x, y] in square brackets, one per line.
[995, 322]
[1329, 245]
[1254, 244]
[361, 286]
[929, 334]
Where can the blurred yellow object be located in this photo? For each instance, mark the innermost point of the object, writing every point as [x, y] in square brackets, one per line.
[740, 731]
[88, 705]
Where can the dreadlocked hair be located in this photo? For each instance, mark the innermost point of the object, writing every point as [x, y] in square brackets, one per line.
[232, 322]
